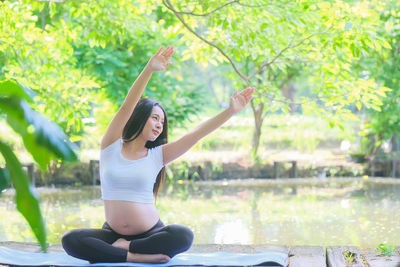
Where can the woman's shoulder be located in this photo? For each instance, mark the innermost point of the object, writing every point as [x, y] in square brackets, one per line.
[157, 154]
[156, 148]
[114, 145]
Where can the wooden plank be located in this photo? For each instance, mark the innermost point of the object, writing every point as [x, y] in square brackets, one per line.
[344, 256]
[237, 248]
[374, 259]
[368, 257]
[300, 256]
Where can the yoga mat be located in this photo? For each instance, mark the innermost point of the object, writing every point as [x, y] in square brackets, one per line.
[268, 258]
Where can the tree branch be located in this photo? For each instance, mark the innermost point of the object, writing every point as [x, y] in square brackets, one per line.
[170, 7]
[272, 98]
[252, 106]
[54, 1]
[218, 8]
[283, 50]
[251, 5]
[205, 14]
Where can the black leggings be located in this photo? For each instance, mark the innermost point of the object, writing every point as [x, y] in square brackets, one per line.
[94, 245]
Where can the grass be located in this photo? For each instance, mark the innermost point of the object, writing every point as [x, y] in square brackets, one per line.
[279, 132]
[349, 257]
[386, 250]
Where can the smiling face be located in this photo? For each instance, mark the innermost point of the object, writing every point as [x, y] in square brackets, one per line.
[154, 125]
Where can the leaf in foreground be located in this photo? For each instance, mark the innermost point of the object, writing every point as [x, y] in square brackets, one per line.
[27, 201]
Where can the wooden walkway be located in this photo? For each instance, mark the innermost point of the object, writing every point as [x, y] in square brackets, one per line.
[299, 256]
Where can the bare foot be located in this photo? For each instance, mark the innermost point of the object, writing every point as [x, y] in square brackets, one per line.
[121, 243]
[149, 258]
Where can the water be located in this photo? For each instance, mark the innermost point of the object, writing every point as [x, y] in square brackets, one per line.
[286, 212]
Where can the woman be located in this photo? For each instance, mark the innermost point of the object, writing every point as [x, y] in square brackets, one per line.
[134, 151]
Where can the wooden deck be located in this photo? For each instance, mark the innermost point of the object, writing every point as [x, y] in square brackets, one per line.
[299, 256]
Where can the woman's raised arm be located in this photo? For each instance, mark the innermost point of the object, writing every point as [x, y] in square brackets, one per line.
[158, 62]
[175, 149]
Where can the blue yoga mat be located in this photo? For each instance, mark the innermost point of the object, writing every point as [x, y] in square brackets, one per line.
[268, 258]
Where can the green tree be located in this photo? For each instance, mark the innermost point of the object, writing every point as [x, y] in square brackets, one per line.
[384, 65]
[113, 44]
[43, 60]
[90, 53]
[262, 39]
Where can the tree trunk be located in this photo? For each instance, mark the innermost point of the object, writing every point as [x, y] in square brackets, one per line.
[43, 14]
[258, 120]
[289, 91]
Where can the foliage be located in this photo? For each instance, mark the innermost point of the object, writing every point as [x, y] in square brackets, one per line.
[268, 42]
[384, 65]
[62, 90]
[386, 250]
[116, 50]
[349, 257]
[43, 139]
[89, 54]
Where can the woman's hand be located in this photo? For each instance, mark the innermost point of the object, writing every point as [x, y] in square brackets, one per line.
[239, 101]
[159, 61]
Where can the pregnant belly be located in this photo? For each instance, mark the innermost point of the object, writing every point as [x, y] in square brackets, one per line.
[130, 218]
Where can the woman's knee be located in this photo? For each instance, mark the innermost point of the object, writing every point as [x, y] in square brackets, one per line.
[70, 241]
[182, 234]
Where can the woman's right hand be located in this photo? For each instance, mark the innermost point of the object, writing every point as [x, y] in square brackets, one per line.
[160, 60]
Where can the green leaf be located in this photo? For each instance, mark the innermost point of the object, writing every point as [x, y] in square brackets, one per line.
[12, 88]
[358, 105]
[386, 250]
[234, 25]
[47, 138]
[27, 202]
[376, 107]
[263, 26]
[355, 50]
[4, 179]
[350, 116]
[225, 24]
[43, 139]
[386, 44]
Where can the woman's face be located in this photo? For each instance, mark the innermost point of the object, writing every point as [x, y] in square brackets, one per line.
[154, 125]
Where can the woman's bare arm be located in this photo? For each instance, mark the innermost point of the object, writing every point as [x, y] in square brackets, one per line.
[173, 150]
[158, 62]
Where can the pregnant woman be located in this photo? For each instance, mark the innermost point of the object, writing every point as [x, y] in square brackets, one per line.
[134, 152]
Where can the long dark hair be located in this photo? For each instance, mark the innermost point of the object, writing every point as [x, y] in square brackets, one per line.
[134, 128]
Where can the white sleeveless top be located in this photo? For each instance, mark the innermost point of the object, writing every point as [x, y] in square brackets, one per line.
[130, 180]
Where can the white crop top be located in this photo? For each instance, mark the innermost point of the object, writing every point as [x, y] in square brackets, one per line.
[130, 180]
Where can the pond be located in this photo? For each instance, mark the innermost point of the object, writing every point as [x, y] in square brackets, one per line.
[359, 212]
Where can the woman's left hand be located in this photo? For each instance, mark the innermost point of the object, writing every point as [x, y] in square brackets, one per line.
[239, 101]
[160, 60]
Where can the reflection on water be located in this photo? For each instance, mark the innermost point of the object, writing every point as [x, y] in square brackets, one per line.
[357, 213]
[231, 232]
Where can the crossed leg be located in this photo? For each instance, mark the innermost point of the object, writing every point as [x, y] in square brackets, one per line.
[104, 245]
[96, 245]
